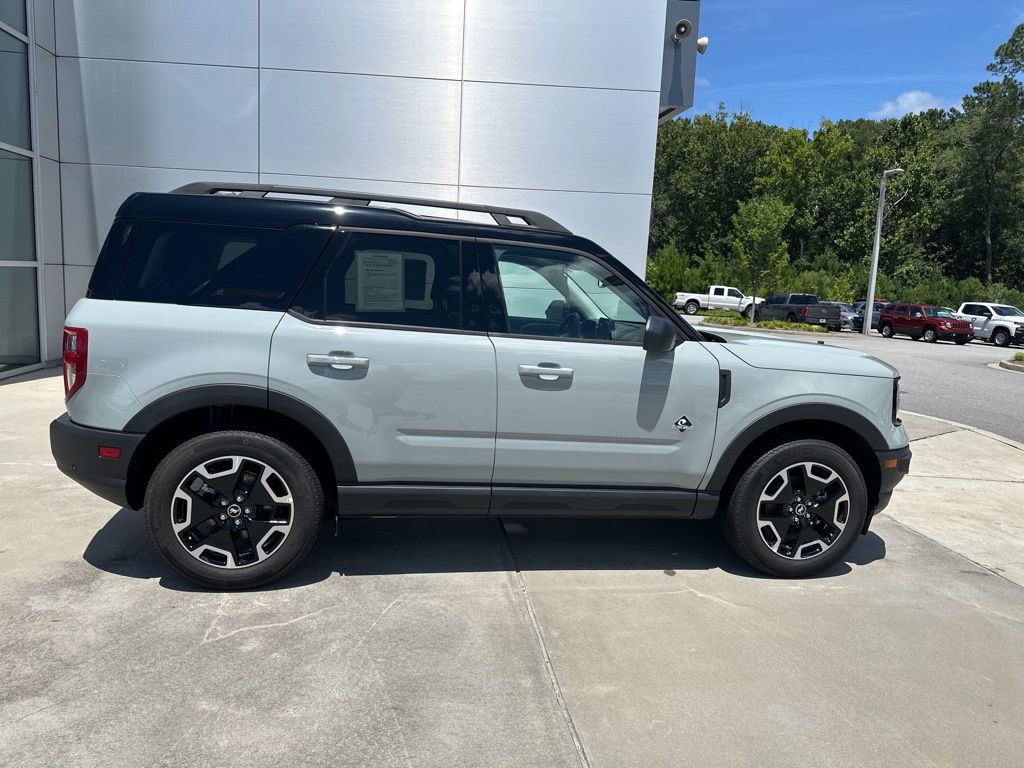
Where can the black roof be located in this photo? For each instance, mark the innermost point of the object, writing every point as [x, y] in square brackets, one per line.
[273, 206]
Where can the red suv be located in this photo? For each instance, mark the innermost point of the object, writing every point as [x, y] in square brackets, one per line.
[923, 321]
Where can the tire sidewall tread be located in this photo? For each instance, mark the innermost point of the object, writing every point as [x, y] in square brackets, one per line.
[740, 518]
[307, 507]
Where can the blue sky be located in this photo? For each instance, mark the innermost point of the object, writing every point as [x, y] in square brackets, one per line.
[793, 62]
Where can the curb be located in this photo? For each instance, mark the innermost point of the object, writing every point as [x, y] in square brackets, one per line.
[969, 428]
[748, 329]
[1012, 366]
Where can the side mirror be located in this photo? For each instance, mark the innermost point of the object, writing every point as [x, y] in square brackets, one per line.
[659, 335]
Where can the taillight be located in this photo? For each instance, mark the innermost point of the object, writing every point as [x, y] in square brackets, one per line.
[804, 311]
[76, 357]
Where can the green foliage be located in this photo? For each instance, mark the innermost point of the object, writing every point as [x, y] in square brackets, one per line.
[740, 202]
[1018, 357]
[720, 317]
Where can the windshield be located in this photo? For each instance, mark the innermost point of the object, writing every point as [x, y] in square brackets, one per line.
[938, 312]
[1004, 311]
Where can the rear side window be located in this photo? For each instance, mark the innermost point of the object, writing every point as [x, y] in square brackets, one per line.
[217, 266]
[112, 258]
[388, 280]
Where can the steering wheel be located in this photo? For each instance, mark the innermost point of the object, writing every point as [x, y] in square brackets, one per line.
[570, 327]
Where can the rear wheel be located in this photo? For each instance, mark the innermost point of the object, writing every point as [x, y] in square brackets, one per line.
[886, 330]
[691, 307]
[233, 510]
[791, 318]
[798, 509]
[1001, 337]
[930, 336]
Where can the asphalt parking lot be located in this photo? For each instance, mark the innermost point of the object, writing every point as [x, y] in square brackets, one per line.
[487, 642]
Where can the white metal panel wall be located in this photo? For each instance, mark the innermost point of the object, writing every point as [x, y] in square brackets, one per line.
[547, 105]
[184, 31]
[402, 38]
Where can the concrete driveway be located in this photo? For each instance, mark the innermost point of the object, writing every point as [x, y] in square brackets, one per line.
[535, 643]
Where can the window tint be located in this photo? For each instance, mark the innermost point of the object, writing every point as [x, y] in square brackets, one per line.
[719, 291]
[1005, 311]
[565, 295]
[915, 311]
[901, 310]
[733, 293]
[388, 280]
[217, 266]
[112, 258]
[937, 312]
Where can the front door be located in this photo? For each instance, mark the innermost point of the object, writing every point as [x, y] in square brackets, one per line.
[580, 403]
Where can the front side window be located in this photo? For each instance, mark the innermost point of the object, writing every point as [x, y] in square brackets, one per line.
[385, 279]
[558, 294]
[734, 294]
[1005, 311]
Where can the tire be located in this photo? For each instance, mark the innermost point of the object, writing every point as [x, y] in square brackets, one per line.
[886, 330]
[790, 318]
[930, 335]
[961, 342]
[286, 515]
[1001, 337]
[749, 312]
[691, 307]
[757, 315]
[750, 529]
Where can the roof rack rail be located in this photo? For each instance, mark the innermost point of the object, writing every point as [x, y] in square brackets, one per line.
[502, 216]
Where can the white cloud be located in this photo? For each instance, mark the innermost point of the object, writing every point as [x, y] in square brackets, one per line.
[909, 103]
[703, 82]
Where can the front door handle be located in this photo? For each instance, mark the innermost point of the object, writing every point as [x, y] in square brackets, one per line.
[546, 372]
[339, 361]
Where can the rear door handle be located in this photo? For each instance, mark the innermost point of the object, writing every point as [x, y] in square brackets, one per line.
[339, 361]
[545, 372]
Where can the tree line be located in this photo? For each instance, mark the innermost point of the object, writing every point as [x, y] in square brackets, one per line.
[744, 203]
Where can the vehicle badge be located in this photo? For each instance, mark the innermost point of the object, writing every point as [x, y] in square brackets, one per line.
[683, 423]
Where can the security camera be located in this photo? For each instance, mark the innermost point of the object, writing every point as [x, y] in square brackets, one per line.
[702, 44]
[682, 30]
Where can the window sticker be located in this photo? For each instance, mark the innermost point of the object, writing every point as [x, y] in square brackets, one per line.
[380, 281]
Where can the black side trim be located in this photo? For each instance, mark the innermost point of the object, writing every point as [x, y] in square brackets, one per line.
[591, 502]
[810, 412]
[724, 388]
[322, 429]
[75, 449]
[177, 403]
[183, 400]
[411, 499]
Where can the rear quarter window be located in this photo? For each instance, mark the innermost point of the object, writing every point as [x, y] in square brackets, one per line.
[219, 266]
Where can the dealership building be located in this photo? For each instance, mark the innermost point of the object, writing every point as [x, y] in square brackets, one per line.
[540, 104]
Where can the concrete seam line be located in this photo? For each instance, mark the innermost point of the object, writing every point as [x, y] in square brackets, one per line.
[581, 753]
[961, 555]
[991, 435]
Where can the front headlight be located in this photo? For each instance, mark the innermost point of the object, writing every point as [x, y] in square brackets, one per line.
[896, 401]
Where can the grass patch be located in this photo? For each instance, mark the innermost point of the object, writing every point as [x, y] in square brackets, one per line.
[723, 314]
[734, 320]
[1018, 357]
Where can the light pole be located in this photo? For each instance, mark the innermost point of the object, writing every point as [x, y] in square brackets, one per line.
[869, 308]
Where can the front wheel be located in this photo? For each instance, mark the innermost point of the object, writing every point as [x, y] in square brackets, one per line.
[797, 509]
[930, 336]
[886, 330]
[1001, 338]
[233, 509]
[691, 308]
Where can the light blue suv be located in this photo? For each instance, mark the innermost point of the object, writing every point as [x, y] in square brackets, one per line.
[251, 360]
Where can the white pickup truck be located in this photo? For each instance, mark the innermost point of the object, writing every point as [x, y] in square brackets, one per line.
[717, 297]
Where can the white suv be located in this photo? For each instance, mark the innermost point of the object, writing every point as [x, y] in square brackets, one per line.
[999, 323]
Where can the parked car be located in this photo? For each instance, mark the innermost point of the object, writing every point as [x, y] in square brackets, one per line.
[846, 314]
[246, 365]
[924, 321]
[717, 297]
[858, 321]
[997, 323]
[800, 307]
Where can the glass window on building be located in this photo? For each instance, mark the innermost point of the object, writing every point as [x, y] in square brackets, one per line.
[17, 235]
[12, 13]
[19, 318]
[15, 126]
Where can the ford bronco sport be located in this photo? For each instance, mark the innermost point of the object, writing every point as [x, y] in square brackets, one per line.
[251, 360]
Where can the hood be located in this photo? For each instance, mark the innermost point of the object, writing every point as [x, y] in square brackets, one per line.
[770, 352]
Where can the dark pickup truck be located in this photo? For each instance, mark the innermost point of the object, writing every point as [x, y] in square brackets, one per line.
[801, 308]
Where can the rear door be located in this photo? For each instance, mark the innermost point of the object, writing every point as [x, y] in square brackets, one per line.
[381, 341]
[580, 403]
[718, 298]
[915, 320]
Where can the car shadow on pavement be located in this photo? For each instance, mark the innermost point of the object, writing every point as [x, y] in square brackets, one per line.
[374, 547]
